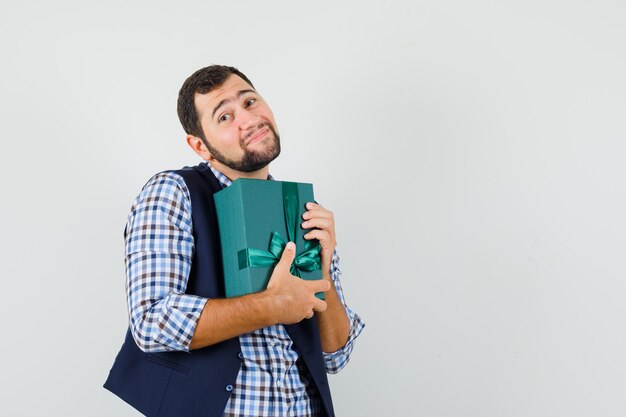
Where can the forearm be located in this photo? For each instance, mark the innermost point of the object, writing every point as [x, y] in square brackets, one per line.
[223, 319]
[339, 335]
[334, 325]
[286, 300]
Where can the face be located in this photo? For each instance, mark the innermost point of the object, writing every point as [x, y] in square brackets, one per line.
[238, 125]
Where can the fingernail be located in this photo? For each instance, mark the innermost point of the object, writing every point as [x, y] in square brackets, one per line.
[309, 205]
[290, 245]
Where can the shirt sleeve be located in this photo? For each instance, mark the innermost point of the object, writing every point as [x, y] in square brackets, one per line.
[159, 247]
[335, 361]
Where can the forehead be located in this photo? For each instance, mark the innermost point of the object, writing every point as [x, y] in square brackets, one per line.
[205, 103]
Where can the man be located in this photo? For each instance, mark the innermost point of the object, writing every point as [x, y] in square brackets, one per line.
[189, 351]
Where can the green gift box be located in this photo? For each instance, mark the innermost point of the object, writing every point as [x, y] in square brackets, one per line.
[256, 220]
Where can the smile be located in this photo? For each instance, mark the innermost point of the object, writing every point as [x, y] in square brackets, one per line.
[258, 136]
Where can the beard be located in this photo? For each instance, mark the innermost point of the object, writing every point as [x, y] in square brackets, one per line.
[252, 160]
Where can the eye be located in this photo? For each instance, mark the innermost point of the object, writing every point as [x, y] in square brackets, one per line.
[223, 117]
[250, 101]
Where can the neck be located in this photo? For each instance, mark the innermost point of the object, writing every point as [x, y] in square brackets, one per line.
[233, 174]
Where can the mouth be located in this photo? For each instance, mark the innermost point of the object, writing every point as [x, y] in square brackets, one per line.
[257, 136]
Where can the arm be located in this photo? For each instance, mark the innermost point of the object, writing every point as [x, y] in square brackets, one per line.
[287, 300]
[336, 360]
[159, 249]
[159, 246]
[339, 326]
[333, 323]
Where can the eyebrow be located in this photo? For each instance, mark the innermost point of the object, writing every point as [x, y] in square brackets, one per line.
[227, 100]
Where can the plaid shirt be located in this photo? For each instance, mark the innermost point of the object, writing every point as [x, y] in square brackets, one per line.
[159, 248]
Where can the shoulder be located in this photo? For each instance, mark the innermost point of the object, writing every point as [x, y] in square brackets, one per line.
[166, 185]
[166, 180]
[165, 190]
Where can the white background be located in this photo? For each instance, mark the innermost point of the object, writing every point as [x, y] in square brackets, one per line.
[473, 154]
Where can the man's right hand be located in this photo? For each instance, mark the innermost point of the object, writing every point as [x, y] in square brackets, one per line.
[286, 300]
[293, 298]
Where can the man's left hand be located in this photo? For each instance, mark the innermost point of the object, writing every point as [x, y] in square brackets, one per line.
[322, 222]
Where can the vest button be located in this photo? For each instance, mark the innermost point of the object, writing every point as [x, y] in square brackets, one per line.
[229, 388]
[240, 355]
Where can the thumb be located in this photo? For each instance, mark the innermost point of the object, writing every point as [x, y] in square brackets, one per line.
[287, 257]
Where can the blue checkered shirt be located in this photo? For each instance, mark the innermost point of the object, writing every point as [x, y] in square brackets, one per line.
[159, 248]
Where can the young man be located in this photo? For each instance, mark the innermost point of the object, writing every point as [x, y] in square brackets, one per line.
[189, 351]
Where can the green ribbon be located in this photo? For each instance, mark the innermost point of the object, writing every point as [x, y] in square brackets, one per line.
[309, 260]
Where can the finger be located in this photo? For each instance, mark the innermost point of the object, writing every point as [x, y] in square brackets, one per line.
[317, 212]
[318, 285]
[319, 305]
[287, 257]
[319, 222]
[321, 235]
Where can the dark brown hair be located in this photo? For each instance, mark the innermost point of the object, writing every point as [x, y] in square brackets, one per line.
[201, 82]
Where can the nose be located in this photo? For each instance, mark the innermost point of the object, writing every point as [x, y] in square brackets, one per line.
[248, 119]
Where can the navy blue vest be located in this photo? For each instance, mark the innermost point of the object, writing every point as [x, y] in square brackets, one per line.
[198, 383]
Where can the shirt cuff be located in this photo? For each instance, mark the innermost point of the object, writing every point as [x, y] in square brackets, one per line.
[336, 361]
[179, 320]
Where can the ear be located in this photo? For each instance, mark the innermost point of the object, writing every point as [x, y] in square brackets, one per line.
[197, 145]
